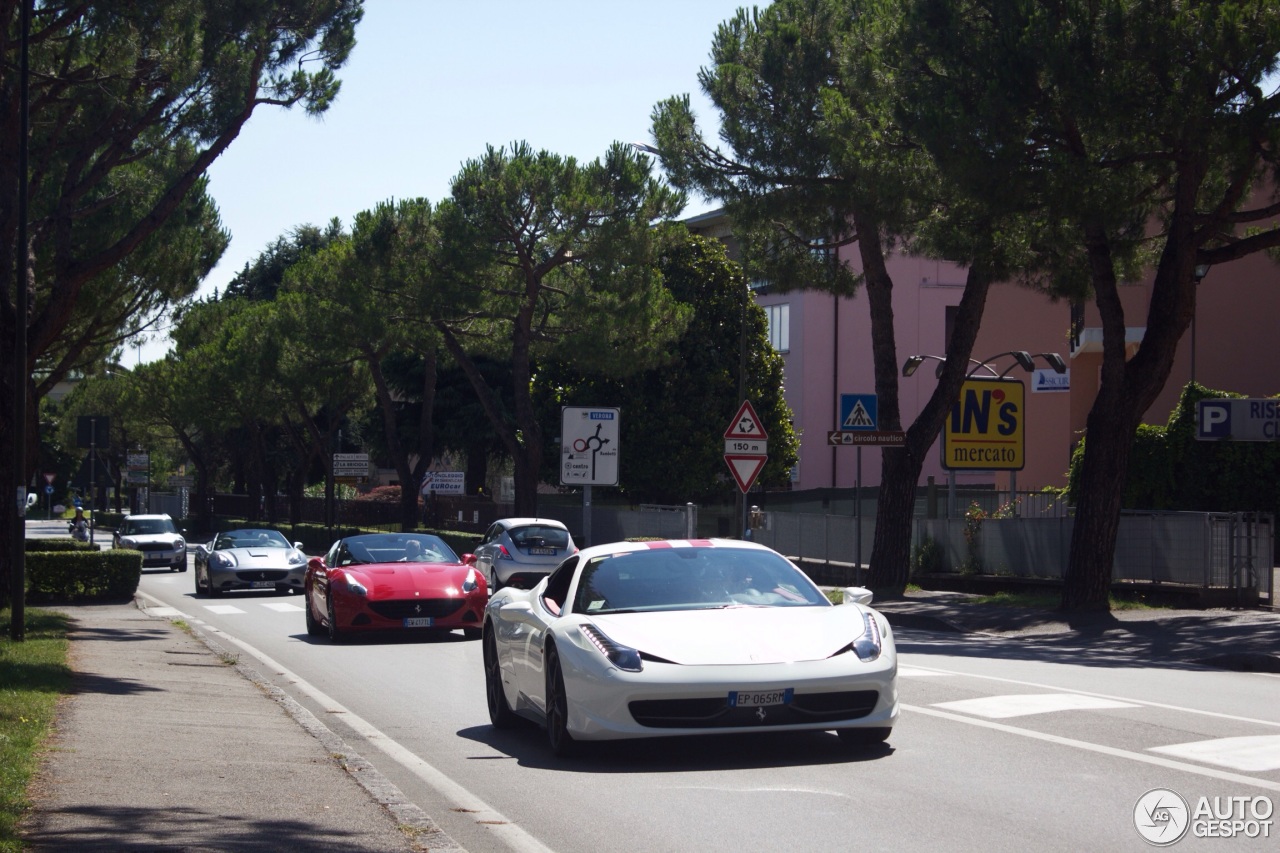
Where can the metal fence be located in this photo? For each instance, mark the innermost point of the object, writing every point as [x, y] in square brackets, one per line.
[1206, 550]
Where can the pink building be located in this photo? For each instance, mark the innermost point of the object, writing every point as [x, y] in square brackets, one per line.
[826, 345]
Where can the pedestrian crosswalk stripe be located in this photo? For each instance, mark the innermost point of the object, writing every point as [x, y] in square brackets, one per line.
[1022, 704]
[915, 672]
[1258, 754]
[223, 609]
[282, 606]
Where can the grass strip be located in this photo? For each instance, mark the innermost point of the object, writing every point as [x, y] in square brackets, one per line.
[33, 674]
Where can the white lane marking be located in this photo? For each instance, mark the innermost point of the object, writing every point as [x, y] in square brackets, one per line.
[1022, 704]
[223, 609]
[282, 606]
[1255, 754]
[1168, 764]
[1055, 687]
[917, 672]
[464, 801]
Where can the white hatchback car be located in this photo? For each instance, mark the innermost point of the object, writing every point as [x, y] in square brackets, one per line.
[162, 545]
[520, 552]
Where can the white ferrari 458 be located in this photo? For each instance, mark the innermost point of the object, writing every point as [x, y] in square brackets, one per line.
[645, 639]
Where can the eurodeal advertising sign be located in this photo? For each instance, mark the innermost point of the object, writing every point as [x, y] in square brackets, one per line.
[986, 430]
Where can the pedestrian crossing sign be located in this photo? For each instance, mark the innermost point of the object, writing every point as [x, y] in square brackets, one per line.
[858, 412]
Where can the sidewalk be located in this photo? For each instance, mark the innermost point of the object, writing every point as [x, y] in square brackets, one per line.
[1242, 640]
[168, 745]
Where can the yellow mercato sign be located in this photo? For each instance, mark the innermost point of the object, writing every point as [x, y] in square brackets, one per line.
[987, 427]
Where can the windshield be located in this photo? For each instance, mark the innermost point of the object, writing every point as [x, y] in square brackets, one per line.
[148, 526]
[540, 536]
[394, 548]
[692, 578]
[251, 539]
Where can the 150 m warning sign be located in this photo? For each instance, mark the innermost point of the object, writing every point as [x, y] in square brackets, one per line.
[987, 427]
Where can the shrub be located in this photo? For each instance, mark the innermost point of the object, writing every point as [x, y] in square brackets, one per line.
[82, 574]
[926, 558]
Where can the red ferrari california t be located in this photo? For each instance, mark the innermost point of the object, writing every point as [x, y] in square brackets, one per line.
[393, 582]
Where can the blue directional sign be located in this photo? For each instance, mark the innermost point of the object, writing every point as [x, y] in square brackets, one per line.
[1238, 419]
[858, 412]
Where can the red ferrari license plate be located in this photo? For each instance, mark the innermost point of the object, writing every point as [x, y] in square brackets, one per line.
[419, 622]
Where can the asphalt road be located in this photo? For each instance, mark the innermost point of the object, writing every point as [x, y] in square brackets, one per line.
[1003, 745]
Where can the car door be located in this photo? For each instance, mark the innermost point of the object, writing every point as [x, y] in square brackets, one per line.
[484, 551]
[549, 602]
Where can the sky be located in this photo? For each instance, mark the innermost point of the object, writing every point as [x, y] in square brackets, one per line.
[431, 83]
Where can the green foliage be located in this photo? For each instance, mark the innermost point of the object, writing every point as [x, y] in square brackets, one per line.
[37, 545]
[926, 558]
[1169, 469]
[674, 416]
[83, 575]
[33, 675]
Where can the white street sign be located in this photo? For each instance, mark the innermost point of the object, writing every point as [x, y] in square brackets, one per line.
[589, 446]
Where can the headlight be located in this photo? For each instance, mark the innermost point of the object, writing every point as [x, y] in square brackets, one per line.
[179, 544]
[127, 543]
[355, 586]
[472, 581]
[867, 645]
[622, 657]
[297, 558]
[223, 560]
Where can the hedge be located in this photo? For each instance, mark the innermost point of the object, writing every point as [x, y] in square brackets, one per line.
[61, 574]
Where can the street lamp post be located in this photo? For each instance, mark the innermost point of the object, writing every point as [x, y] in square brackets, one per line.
[1201, 271]
[1021, 358]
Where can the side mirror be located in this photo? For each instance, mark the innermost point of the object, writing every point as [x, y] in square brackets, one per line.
[857, 595]
[315, 564]
[469, 559]
[297, 545]
[200, 550]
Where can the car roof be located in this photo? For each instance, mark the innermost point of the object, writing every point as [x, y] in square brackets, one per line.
[623, 547]
[522, 522]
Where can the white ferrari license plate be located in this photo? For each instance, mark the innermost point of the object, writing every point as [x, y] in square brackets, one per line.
[419, 622]
[262, 585]
[760, 698]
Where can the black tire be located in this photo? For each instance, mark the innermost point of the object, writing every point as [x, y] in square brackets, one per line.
[494, 583]
[561, 742]
[472, 633]
[335, 634]
[196, 575]
[864, 738]
[314, 628]
[500, 713]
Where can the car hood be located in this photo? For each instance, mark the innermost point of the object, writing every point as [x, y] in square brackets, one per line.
[737, 635]
[264, 558]
[409, 580]
[151, 538]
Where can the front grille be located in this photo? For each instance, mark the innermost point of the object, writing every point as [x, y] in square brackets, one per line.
[154, 546]
[262, 575]
[716, 713]
[408, 608]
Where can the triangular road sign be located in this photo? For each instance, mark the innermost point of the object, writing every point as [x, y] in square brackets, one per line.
[745, 424]
[745, 469]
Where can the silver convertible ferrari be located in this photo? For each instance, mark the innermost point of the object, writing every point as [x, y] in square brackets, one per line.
[645, 639]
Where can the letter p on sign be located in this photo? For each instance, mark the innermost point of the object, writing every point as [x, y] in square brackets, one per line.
[1215, 419]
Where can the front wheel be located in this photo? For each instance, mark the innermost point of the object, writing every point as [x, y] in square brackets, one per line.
[494, 583]
[335, 634]
[562, 743]
[314, 628]
[196, 575]
[500, 713]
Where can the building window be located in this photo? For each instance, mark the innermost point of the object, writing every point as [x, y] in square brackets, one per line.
[779, 326]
